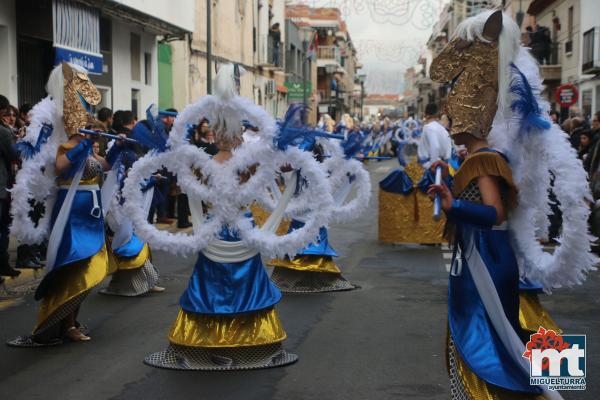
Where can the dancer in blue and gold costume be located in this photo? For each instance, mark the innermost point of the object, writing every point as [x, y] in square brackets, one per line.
[405, 212]
[77, 258]
[313, 269]
[135, 273]
[227, 318]
[492, 304]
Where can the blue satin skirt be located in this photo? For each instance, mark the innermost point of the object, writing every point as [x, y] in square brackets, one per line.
[319, 248]
[130, 249]
[229, 288]
[83, 235]
[474, 337]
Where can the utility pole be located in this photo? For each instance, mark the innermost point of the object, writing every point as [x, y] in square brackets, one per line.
[208, 47]
[304, 97]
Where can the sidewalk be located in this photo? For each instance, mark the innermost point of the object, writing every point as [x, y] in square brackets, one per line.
[14, 289]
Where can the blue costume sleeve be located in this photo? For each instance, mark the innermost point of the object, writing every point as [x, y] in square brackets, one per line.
[113, 154]
[472, 213]
[77, 156]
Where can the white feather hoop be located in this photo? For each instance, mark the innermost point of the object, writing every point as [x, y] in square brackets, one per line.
[317, 210]
[178, 243]
[341, 171]
[221, 185]
[533, 155]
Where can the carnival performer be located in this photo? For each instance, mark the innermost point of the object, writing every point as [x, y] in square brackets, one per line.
[313, 269]
[435, 143]
[498, 114]
[55, 151]
[228, 319]
[135, 273]
[405, 211]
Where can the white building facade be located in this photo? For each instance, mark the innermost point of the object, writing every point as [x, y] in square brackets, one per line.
[116, 40]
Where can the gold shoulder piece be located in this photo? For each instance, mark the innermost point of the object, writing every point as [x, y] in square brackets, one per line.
[485, 164]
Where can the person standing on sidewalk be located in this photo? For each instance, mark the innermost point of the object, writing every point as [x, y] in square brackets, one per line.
[8, 155]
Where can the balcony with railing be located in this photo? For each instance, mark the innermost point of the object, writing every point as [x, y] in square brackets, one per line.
[546, 52]
[547, 55]
[271, 53]
[329, 55]
[590, 58]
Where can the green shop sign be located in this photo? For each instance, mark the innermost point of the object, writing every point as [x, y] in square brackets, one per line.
[295, 90]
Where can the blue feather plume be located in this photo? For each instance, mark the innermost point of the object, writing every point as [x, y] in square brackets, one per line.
[353, 144]
[525, 102]
[27, 150]
[291, 130]
[151, 133]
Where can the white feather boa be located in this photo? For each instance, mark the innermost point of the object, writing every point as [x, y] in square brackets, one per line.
[31, 182]
[220, 184]
[341, 171]
[178, 243]
[533, 155]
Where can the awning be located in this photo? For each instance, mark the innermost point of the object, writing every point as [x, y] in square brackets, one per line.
[282, 89]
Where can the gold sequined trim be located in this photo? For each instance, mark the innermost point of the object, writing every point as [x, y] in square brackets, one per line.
[252, 329]
[312, 263]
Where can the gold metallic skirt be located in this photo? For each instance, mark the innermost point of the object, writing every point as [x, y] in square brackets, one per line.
[312, 263]
[242, 330]
[532, 314]
[69, 287]
[408, 219]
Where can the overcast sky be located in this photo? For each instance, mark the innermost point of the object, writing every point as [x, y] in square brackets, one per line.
[389, 35]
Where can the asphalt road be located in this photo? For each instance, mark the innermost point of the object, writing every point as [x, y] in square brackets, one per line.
[383, 341]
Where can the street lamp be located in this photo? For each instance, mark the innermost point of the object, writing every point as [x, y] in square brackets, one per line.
[305, 34]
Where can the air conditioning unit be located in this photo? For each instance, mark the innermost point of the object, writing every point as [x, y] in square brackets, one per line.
[270, 87]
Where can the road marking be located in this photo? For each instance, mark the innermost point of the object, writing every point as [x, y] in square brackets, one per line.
[382, 169]
[447, 255]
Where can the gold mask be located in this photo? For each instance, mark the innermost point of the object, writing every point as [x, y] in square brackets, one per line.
[473, 68]
[80, 94]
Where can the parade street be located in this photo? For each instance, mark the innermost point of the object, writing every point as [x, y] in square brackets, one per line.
[383, 341]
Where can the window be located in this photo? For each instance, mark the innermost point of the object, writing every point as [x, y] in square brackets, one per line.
[135, 49]
[587, 58]
[569, 42]
[105, 35]
[570, 23]
[135, 101]
[148, 68]
[586, 102]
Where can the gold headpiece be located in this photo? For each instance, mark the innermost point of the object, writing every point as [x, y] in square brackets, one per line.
[79, 94]
[473, 68]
